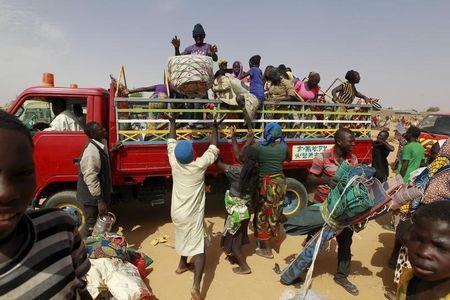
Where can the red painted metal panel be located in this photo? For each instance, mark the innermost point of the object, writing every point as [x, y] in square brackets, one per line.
[151, 160]
[54, 153]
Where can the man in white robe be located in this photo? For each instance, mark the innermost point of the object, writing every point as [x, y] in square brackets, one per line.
[188, 201]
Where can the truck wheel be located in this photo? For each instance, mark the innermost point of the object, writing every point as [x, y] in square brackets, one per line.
[67, 200]
[296, 197]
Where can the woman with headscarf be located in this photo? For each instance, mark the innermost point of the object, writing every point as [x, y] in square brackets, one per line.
[272, 152]
[439, 171]
[238, 69]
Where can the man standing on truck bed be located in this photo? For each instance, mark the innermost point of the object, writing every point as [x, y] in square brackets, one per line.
[200, 47]
[322, 175]
[188, 201]
[94, 178]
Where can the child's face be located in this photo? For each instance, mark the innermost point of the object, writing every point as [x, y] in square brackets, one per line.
[17, 179]
[236, 68]
[428, 246]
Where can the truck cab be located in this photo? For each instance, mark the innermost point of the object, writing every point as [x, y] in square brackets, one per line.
[55, 153]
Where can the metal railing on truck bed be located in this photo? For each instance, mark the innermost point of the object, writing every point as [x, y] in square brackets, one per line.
[144, 120]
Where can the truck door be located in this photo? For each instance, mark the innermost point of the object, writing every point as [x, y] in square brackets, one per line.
[55, 149]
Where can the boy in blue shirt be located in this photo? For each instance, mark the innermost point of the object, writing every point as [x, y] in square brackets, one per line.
[256, 78]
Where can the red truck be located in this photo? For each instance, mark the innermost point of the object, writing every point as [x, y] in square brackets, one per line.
[434, 126]
[141, 160]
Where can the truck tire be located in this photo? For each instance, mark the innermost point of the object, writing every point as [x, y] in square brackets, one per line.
[296, 197]
[68, 200]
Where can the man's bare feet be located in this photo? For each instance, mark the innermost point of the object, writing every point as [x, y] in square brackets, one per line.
[180, 270]
[195, 294]
[242, 271]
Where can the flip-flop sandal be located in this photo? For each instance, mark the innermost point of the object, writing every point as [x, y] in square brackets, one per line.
[349, 287]
[181, 271]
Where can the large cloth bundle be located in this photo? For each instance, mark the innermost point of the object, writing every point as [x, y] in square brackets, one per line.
[119, 277]
[191, 75]
[350, 197]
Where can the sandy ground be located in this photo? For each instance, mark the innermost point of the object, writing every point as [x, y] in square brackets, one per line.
[141, 223]
[371, 249]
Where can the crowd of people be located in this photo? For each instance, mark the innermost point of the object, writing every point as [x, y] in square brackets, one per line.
[249, 90]
[42, 255]
[266, 197]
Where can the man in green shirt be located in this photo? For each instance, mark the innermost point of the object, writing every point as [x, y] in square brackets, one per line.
[412, 154]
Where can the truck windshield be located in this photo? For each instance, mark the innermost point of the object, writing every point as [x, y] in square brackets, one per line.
[438, 124]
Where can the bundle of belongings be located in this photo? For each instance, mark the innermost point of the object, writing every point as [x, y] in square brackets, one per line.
[356, 199]
[191, 75]
[234, 93]
[116, 268]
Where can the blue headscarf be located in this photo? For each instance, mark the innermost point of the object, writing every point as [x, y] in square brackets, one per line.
[184, 152]
[273, 132]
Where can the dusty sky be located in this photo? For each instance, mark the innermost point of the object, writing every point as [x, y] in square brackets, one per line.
[400, 48]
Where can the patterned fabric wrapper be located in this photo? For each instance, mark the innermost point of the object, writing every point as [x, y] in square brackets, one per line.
[270, 206]
[237, 212]
[191, 75]
[106, 245]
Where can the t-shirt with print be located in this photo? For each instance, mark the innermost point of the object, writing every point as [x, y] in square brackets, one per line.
[204, 49]
[325, 164]
[256, 83]
[413, 153]
[271, 158]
